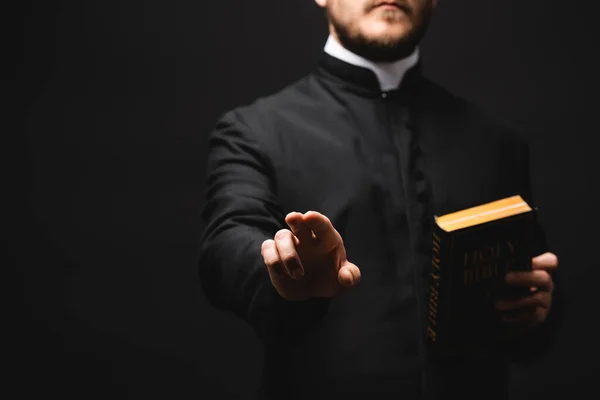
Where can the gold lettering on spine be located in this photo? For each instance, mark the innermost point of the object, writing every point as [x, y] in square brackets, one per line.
[434, 294]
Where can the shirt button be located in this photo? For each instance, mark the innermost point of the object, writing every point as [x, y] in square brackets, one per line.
[384, 95]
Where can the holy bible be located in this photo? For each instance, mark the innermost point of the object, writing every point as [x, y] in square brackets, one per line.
[473, 250]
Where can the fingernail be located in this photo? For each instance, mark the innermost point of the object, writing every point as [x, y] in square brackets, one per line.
[297, 273]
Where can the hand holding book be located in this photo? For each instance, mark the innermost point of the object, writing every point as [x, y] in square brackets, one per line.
[532, 309]
[486, 284]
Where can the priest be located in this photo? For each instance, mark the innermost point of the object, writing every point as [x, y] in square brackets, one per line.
[320, 202]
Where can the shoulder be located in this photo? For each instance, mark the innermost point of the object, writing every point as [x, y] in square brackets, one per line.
[472, 117]
[266, 111]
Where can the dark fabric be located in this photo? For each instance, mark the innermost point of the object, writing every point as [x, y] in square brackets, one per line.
[380, 166]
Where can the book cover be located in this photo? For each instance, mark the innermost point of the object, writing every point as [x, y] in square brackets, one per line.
[472, 251]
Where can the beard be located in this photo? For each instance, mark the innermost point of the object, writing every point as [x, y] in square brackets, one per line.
[382, 49]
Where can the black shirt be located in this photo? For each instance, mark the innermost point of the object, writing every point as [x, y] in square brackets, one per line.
[380, 165]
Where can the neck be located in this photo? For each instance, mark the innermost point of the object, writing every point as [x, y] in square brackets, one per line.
[389, 74]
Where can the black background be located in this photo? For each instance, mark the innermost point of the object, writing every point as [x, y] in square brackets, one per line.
[119, 98]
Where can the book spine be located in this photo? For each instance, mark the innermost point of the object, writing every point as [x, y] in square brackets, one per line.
[439, 276]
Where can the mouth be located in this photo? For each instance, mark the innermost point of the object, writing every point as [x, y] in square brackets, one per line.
[392, 5]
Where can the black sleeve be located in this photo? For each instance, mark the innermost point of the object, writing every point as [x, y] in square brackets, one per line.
[241, 211]
[540, 340]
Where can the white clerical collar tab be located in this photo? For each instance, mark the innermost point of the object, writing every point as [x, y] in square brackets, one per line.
[389, 75]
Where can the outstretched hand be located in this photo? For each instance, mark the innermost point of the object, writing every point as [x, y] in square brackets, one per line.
[309, 259]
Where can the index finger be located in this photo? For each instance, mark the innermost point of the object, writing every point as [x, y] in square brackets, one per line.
[323, 229]
[299, 228]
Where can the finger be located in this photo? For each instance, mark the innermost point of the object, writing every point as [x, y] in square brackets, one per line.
[349, 275]
[546, 261]
[323, 229]
[298, 227]
[540, 279]
[272, 260]
[537, 299]
[286, 248]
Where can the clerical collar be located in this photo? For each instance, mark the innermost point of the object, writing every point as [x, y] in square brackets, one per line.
[389, 75]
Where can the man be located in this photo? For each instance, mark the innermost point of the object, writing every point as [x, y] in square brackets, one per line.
[319, 208]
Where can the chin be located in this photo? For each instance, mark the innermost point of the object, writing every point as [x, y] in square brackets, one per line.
[386, 38]
[380, 41]
[387, 32]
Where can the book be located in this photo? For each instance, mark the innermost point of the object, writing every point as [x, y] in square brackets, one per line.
[472, 251]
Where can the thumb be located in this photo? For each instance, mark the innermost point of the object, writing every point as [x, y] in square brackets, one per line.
[547, 261]
[349, 275]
